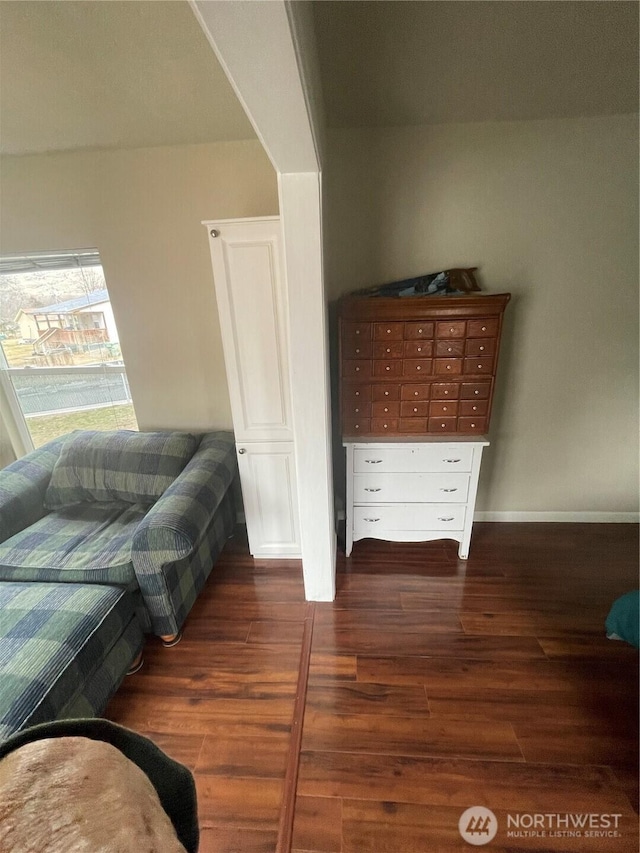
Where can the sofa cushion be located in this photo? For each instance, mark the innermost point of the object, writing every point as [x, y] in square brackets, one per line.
[54, 638]
[117, 466]
[88, 543]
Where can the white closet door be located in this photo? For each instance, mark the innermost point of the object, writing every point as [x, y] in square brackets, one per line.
[248, 275]
[267, 475]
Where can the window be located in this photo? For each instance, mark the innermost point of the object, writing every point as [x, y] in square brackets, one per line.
[60, 360]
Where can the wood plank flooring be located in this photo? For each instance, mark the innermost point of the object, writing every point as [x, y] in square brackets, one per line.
[434, 685]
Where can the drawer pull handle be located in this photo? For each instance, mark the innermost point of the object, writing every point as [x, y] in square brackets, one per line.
[451, 460]
[448, 490]
[447, 518]
[372, 519]
[371, 490]
[377, 461]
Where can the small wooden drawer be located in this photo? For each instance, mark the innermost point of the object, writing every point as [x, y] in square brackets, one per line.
[379, 426]
[356, 369]
[445, 391]
[443, 408]
[354, 391]
[418, 349]
[448, 366]
[387, 349]
[356, 410]
[442, 424]
[356, 426]
[385, 409]
[387, 367]
[472, 426]
[451, 329]
[480, 346]
[352, 332]
[388, 331]
[357, 349]
[418, 331]
[471, 390]
[415, 392]
[413, 425]
[449, 349]
[482, 328]
[474, 408]
[480, 364]
[417, 366]
[385, 392]
[414, 410]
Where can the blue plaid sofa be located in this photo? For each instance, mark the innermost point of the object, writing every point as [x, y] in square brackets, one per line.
[148, 513]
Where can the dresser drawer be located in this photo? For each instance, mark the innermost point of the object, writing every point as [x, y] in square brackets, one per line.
[474, 408]
[373, 520]
[387, 349]
[451, 329]
[442, 424]
[436, 458]
[385, 409]
[358, 349]
[418, 349]
[357, 426]
[480, 364]
[480, 346]
[388, 331]
[353, 392]
[472, 426]
[475, 390]
[415, 392]
[417, 366]
[387, 367]
[482, 328]
[356, 369]
[448, 366]
[410, 488]
[355, 410]
[385, 392]
[449, 349]
[380, 426]
[443, 408]
[418, 331]
[417, 409]
[413, 426]
[445, 391]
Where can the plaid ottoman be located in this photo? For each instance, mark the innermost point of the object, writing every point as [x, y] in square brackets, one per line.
[64, 650]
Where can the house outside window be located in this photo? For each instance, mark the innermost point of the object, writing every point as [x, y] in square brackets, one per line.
[61, 366]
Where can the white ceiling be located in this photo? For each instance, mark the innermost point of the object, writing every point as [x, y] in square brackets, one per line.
[90, 73]
[408, 63]
[110, 75]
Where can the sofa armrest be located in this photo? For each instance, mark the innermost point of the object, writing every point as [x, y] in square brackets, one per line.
[22, 488]
[175, 524]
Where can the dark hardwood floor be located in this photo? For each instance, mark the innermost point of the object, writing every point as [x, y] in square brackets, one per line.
[434, 685]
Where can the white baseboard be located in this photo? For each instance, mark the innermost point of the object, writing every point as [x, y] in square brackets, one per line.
[582, 517]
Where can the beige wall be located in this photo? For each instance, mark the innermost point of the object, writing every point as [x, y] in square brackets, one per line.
[142, 209]
[549, 211]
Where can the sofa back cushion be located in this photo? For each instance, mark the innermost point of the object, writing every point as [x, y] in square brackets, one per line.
[117, 466]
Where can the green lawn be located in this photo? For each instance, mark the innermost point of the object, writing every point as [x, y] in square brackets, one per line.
[45, 427]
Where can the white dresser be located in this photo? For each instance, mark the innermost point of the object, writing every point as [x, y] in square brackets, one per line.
[413, 490]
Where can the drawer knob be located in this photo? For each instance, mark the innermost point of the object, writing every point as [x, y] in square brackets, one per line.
[387, 367]
[484, 328]
[357, 370]
[479, 367]
[419, 331]
[445, 408]
[357, 393]
[472, 425]
[419, 349]
[474, 408]
[443, 425]
[415, 393]
[388, 349]
[388, 331]
[357, 426]
[386, 426]
[372, 519]
[414, 409]
[449, 349]
[451, 460]
[377, 461]
[357, 411]
[418, 367]
[357, 350]
[451, 329]
[386, 409]
[242, 450]
[476, 392]
[446, 518]
[357, 331]
[448, 490]
[481, 349]
[446, 392]
[371, 490]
